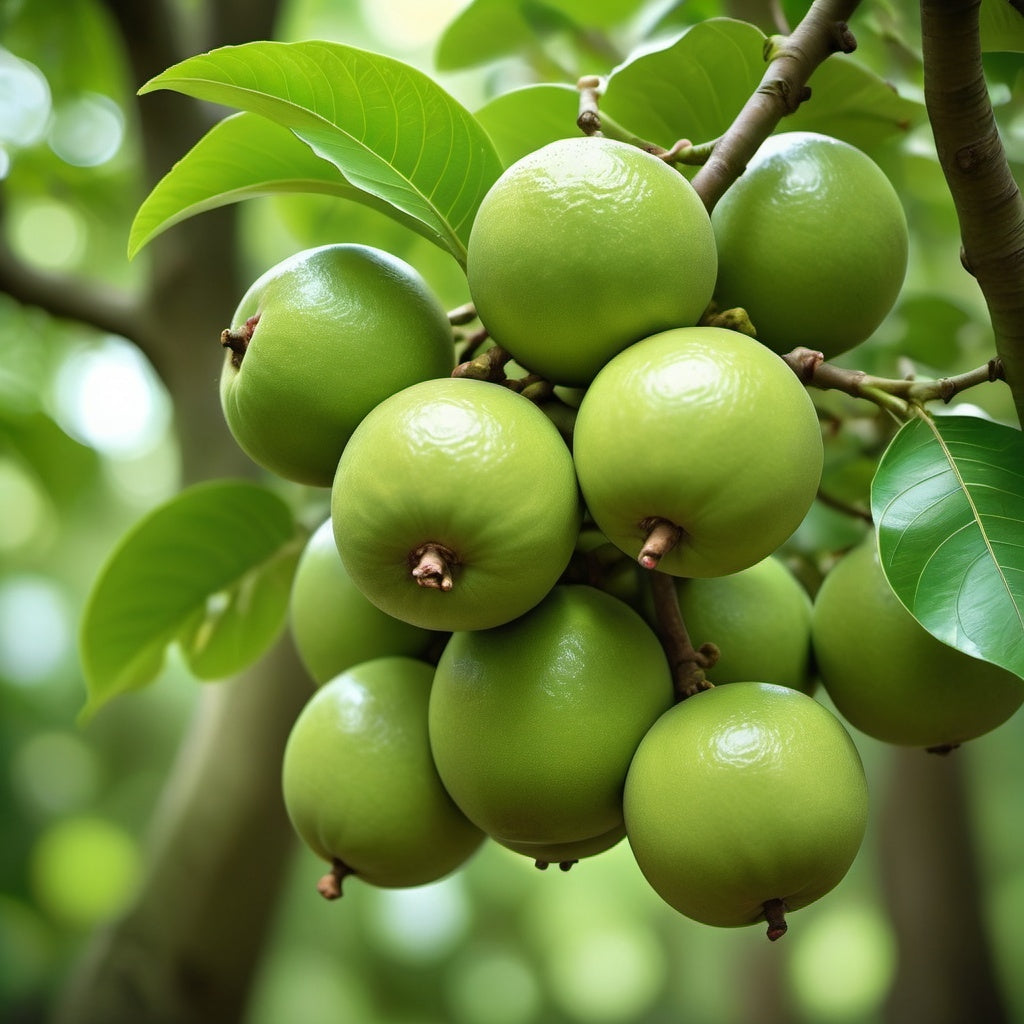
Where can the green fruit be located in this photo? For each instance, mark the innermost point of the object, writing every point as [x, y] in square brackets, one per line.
[760, 620]
[744, 802]
[359, 784]
[888, 676]
[333, 625]
[316, 342]
[812, 243]
[567, 854]
[585, 246]
[533, 724]
[455, 505]
[697, 450]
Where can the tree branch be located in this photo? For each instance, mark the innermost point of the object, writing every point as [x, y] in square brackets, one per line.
[988, 202]
[792, 60]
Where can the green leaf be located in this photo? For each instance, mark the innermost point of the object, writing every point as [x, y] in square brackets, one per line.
[1001, 24]
[694, 86]
[948, 505]
[524, 119]
[391, 131]
[207, 568]
[245, 156]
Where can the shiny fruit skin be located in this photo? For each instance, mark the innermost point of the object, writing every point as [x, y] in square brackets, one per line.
[584, 246]
[333, 625]
[760, 620]
[340, 328]
[888, 676]
[470, 465]
[358, 780]
[709, 430]
[533, 724]
[743, 794]
[812, 242]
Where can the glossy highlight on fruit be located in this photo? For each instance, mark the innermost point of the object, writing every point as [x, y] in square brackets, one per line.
[533, 724]
[333, 625]
[888, 676]
[455, 505]
[812, 242]
[584, 246]
[705, 434]
[745, 802]
[315, 343]
[359, 784]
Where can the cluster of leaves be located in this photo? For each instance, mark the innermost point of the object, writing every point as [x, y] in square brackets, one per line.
[327, 118]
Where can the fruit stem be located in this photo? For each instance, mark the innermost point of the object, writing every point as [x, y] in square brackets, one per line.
[489, 366]
[687, 663]
[662, 537]
[237, 339]
[432, 564]
[329, 885]
[775, 915]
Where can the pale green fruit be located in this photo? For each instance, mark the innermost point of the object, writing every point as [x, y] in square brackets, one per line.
[744, 802]
[888, 676]
[316, 342]
[567, 854]
[812, 243]
[760, 620]
[698, 450]
[333, 625]
[583, 246]
[359, 783]
[455, 505]
[533, 724]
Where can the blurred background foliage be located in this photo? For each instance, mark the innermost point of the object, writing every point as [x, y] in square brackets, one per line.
[91, 438]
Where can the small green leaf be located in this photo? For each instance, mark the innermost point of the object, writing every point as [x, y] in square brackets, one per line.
[390, 129]
[1001, 24]
[243, 157]
[206, 567]
[948, 505]
[524, 119]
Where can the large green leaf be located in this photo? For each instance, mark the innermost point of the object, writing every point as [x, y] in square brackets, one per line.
[524, 119]
[390, 130]
[1002, 26]
[207, 568]
[245, 156]
[948, 505]
[694, 86]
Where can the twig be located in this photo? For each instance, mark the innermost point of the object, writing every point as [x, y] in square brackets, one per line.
[988, 202]
[687, 663]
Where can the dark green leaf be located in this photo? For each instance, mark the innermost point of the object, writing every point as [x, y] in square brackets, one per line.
[948, 505]
[488, 30]
[1002, 26]
[390, 129]
[522, 120]
[206, 567]
[243, 157]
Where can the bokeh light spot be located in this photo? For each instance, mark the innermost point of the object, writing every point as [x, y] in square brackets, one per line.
[423, 923]
[87, 131]
[54, 773]
[24, 101]
[494, 987]
[35, 629]
[49, 234]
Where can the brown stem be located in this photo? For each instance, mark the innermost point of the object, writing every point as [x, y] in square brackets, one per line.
[431, 565]
[687, 663]
[464, 314]
[792, 61]
[330, 885]
[988, 202]
[489, 366]
[775, 915]
[662, 537]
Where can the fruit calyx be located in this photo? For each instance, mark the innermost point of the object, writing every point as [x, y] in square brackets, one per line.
[563, 865]
[775, 915]
[237, 339]
[432, 564]
[661, 536]
[329, 885]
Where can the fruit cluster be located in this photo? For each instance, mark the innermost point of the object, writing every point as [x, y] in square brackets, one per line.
[485, 611]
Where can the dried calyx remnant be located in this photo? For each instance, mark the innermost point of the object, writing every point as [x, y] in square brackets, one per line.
[432, 566]
[775, 915]
[237, 339]
[329, 885]
[661, 537]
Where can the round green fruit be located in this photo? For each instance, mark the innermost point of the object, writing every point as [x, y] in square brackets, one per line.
[359, 783]
[333, 625]
[698, 451]
[888, 676]
[455, 505]
[584, 246]
[567, 854]
[533, 724]
[316, 342]
[760, 620]
[744, 802]
[812, 242]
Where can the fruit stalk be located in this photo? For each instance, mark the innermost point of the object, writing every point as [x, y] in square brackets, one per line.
[687, 662]
[775, 915]
[329, 885]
